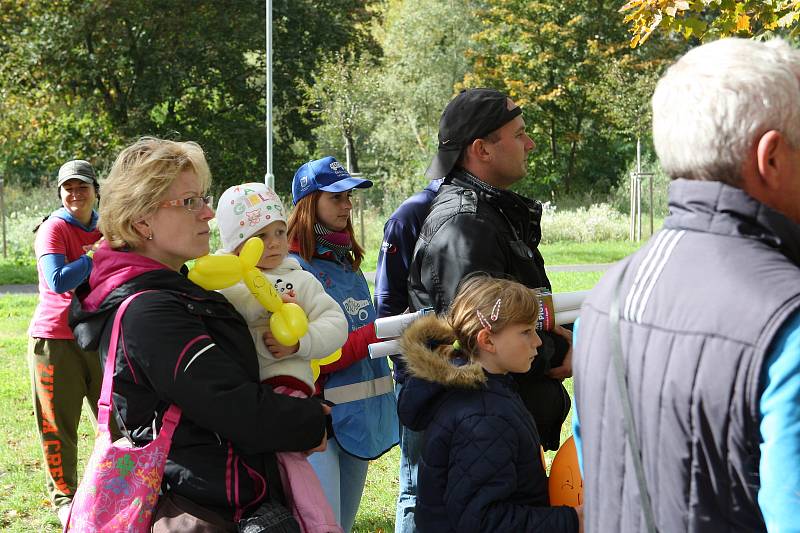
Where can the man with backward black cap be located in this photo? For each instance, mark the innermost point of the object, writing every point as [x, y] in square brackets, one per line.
[477, 225]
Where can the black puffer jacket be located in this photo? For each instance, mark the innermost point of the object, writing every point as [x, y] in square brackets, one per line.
[184, 345]
[480, 468]
[474, 227]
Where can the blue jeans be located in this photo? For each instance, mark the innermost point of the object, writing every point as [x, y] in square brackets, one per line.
[410, 452]
[342, 477]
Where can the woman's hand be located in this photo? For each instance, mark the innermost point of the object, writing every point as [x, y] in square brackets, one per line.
[278, 350]
[326, 410]
[565, 370]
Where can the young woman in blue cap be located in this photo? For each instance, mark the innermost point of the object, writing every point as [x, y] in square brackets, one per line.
[364, 411]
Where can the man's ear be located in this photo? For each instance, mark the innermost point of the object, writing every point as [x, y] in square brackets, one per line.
[485, 341]
[478, 150]
[770, 151]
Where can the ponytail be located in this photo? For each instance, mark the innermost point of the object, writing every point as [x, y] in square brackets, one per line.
[445, 345]
[39, 225]
[428, 351]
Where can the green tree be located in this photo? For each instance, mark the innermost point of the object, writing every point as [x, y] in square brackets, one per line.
[119, 69]
[341, 98]
[305, 33]
[398, 92]
[424, 44]
[553, 59]
[140, 67]
[38, 129]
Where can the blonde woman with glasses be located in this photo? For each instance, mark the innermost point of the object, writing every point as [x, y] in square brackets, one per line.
[186, 346]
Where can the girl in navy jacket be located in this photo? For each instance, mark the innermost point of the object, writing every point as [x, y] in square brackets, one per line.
[480, 468]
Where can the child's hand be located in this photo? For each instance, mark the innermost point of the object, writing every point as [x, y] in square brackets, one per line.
[277, 349]
[288, 297]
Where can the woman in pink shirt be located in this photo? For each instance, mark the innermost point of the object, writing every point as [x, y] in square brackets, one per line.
[62, 374]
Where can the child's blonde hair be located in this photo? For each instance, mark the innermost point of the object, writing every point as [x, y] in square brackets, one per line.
[428, 343]
[480, 294]
[474, 306]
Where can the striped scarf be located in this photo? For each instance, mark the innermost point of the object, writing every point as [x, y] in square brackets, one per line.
[338, 241]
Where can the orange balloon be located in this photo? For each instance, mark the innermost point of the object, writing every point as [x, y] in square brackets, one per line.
[565, 484]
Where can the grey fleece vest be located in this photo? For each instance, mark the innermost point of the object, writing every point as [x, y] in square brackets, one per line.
[700, 305]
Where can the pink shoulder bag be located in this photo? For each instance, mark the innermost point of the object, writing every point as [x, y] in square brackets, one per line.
[121, 484]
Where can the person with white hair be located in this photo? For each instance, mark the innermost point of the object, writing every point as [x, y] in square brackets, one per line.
[687, 355]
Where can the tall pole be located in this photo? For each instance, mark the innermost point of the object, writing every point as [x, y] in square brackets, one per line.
[359, 205]
[631, 230]
[638, 188]
[269, 178]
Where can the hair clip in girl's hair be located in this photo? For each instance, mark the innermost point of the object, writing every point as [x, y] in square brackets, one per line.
[496, 310]
[493, 315]
[485, 323]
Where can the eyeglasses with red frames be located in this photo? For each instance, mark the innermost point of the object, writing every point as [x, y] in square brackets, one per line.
[193, 204]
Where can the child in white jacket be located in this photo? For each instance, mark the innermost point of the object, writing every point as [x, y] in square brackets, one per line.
[254, 210]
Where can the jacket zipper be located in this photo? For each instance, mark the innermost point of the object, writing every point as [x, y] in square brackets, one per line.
[232, 484]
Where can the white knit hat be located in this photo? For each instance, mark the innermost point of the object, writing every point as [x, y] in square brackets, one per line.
[244, 210]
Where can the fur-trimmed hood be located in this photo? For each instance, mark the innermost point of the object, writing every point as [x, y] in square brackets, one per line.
[431, 376]
[424, 360]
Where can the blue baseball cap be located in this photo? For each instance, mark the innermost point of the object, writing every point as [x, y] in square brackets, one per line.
[325, 174]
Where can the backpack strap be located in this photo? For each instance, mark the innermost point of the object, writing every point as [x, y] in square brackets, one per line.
[627, 409]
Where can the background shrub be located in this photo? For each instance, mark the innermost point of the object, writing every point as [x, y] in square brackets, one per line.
[599, 222]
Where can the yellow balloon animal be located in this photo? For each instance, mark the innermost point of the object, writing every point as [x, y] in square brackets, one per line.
[288, 321]
[316, 363]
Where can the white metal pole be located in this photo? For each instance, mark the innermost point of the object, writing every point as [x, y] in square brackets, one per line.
[269, 178]
[638, 188]
[638, 208]
[631, 232]
[638, 155]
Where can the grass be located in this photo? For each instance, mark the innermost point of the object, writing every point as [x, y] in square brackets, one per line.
[560, 253]
[13, 273]
[573, 281]
[586, 235]
[24, 505]
[578, 253]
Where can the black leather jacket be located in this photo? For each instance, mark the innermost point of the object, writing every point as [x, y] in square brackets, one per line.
[474, 227]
